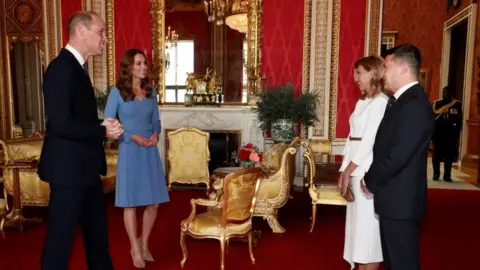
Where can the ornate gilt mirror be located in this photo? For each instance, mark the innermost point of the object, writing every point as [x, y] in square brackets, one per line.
[215, 43]
[30, 37]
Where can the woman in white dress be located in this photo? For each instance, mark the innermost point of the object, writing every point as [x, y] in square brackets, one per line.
[362, 232]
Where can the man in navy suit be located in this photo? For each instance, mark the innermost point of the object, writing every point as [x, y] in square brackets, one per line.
[398, 174]
[73, 156]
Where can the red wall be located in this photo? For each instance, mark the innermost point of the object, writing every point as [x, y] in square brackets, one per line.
[282, 42]
[404, 17]
[67, 9]
[352, 43]
[132, 27]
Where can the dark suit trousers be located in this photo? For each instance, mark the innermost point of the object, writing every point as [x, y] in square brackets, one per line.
[69, 205]
[443, 150]
[400, 244]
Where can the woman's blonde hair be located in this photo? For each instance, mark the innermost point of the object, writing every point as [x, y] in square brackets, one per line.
[375, 65]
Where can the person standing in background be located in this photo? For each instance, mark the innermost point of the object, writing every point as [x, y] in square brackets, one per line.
[446, 137]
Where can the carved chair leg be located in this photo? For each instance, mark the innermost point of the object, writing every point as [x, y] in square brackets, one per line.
[250, 246]
[274, 224]
[314, 216]
[2, 232]
[184, 248]
[222, 253]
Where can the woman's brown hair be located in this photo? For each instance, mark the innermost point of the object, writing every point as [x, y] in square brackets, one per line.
[375, 65]
[124, 82]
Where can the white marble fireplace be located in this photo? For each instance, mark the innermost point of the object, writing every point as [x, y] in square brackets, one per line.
[240, 119]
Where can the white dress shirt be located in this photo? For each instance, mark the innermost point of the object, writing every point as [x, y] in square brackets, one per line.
[75, 53]
[364, 123]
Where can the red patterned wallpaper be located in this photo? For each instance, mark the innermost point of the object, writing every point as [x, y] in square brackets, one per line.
[282, 42]
[352, 43]
[68, 8]
[405, 17]
[132, 28]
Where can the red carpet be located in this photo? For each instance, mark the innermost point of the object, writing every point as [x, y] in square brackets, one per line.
[449, 238]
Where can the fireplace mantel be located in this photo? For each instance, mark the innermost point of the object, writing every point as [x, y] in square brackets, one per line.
[211, 119]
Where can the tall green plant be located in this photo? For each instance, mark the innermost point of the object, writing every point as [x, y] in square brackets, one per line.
[275, 103]
[279, 102]
[305, 110]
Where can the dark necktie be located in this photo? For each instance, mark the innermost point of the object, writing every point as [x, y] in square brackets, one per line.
[85, 68]
[390, 102]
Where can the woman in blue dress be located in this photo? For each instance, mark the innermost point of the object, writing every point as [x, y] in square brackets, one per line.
[140, 177]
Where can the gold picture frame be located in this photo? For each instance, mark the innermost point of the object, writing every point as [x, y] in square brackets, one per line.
[423, 79]
[254, 34]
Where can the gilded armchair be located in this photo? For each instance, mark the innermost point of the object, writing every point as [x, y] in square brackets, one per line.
[275, 184]
[320, 193]
[231, 218]
[274, 191]
[188, 157]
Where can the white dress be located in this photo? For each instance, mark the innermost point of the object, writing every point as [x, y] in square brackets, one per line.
[362, 231]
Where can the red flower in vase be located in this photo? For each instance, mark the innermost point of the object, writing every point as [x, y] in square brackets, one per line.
[244, 154]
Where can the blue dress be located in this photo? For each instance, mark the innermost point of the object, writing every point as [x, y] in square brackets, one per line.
[140, 177]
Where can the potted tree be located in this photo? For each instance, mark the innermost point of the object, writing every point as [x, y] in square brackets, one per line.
[279, 111]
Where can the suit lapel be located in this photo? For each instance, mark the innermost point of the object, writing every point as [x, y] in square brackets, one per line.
[85, 85]
[80, 72]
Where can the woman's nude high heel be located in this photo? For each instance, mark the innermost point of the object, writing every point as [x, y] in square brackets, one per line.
[147, 256]
[137, 259]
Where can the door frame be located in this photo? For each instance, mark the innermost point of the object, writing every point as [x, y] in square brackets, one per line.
[469, 14]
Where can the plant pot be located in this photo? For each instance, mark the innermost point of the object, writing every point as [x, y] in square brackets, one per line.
[283, 130]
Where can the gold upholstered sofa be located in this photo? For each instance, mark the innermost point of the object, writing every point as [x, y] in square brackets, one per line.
[35, 192]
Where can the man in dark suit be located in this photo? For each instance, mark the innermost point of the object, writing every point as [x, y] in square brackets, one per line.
[398, 174]
[73, 156]
[446, 137]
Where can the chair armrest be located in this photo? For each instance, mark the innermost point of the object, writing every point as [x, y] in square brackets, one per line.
[20, 164]
[202, 202]
[205, 202]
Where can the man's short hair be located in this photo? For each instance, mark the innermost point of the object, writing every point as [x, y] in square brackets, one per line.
[81, 17]
[408, 53]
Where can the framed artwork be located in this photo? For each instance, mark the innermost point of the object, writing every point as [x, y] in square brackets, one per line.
[423, 79]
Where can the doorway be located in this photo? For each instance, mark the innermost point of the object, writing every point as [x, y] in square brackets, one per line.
[457, 63]
[458, 52]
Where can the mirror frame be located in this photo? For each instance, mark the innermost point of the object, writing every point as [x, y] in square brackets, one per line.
[51, 43]
[254, 39]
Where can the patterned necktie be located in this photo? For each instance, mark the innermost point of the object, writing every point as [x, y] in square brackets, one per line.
[390, 102]
[85, 68]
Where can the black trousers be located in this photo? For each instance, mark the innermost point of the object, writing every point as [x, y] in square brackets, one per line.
[443, 150]
[68, 206]
[400, 244]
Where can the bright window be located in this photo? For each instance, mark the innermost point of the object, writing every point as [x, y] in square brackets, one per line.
[181, 61]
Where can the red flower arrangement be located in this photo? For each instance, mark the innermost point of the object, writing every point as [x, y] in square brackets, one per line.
[248, 156]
